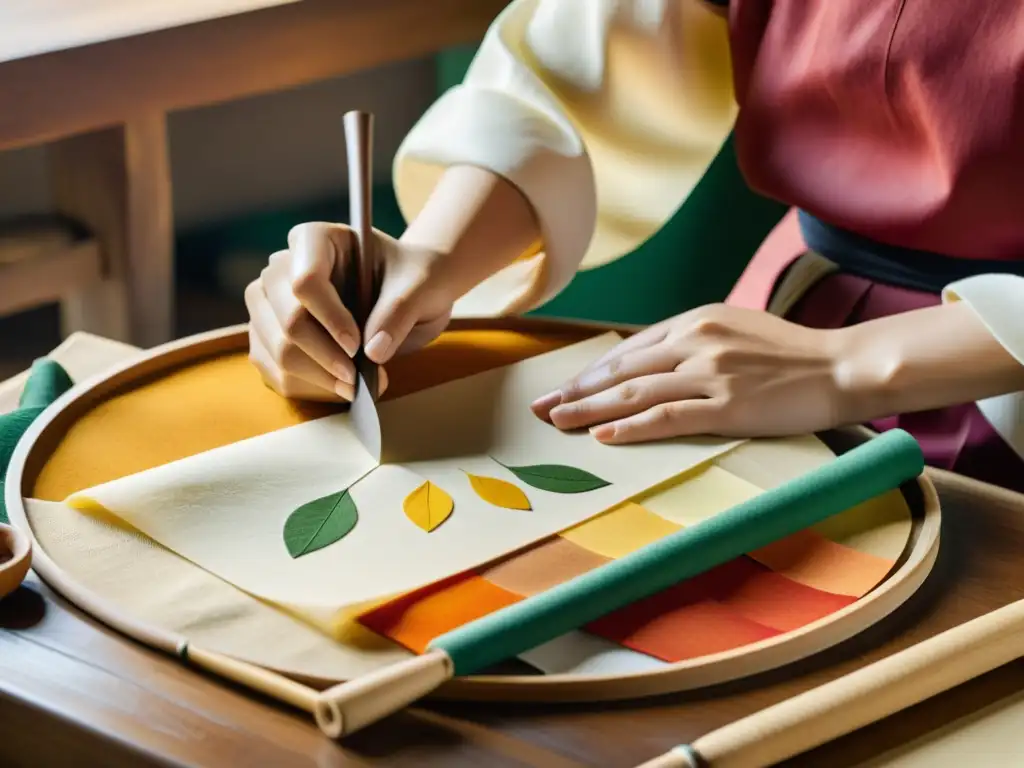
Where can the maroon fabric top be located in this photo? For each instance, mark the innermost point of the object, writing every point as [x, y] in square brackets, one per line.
[900, 120]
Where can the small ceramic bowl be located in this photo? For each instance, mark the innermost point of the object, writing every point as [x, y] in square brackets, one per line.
[15, 558]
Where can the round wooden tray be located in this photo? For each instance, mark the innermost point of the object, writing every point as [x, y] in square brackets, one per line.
[48, 430]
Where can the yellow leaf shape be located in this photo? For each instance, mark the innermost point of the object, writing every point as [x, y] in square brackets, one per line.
[428, 506]
[499, 492]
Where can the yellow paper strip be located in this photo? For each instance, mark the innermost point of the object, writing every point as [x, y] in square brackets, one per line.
[619, 531]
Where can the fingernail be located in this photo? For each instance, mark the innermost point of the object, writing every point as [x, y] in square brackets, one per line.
[344, 373]
[561, 410]
[379, 346]
[603, 431]
[350, 345]
[548, 401]
[344, 390]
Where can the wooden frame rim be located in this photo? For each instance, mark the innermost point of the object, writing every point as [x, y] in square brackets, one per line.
[906, 578]
[15, 558]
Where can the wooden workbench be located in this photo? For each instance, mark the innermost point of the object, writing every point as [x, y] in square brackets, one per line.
[69, 687]
[95, 79]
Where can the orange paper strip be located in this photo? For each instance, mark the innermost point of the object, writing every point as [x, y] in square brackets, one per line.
[415, 619]
[541, 567]
[672, 626]
[813, 560]
[770, 599]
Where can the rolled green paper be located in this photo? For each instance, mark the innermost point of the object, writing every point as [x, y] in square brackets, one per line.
[47, 381]
[867, 471]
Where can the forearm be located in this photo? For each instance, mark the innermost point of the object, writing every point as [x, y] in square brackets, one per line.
[476, 223]
[919, 360]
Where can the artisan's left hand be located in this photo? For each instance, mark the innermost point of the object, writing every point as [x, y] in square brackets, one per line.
[717, 370]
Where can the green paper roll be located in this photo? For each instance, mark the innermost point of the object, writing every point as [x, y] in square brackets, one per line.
[871, 469]
[47, 381]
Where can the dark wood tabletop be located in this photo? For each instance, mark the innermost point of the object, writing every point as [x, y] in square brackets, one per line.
[74, 693]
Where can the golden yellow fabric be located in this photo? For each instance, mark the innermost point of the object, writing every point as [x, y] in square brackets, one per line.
[223, 400]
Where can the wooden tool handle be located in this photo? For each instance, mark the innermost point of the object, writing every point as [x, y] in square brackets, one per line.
[860, 698]
[256, 678]
[362, 295]
[346, 708]
[359, 151]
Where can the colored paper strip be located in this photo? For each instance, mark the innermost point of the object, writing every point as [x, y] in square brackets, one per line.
[415, 619]
[674, 626]
[807, 557]
[756, 593]
[579, 653]
[620, 531]
[811, 559]
[543, 566]
[698, 495]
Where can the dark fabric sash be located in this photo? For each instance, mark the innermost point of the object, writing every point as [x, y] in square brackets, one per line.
[891, 265]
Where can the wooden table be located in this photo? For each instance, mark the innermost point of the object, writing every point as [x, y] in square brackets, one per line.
[95, 79]
[69, 687]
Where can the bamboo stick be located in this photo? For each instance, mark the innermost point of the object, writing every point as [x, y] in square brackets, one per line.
[870, 694]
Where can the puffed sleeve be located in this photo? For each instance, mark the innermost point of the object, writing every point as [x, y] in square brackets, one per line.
[603, 113]
[999, 301]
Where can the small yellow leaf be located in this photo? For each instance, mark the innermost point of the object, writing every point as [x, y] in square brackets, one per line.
[499, 492]
[428, 506]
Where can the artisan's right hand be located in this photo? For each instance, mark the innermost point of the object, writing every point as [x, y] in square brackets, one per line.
[302, 338]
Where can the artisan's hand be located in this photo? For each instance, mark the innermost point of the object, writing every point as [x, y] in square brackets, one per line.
[717, 370]
[301, 335]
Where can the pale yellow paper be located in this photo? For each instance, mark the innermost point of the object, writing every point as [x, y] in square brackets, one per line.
[621, 530]
[154, 585]
[225, 509]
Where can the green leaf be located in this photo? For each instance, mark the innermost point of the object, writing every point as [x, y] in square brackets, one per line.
[558, 478]
[320, 523]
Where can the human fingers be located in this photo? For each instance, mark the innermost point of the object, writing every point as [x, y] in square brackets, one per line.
[299, 328]
[599, 377]
[625, 399]
[405, 300]
[677, 418]
[319, 254]
[424, 332]
[648, 337]
[282, 363]
[285, 384]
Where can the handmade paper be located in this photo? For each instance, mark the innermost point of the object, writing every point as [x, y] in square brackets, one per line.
[225, 509]
[147, 581]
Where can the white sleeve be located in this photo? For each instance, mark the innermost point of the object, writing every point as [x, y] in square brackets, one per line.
[604, 113]
[999, 301]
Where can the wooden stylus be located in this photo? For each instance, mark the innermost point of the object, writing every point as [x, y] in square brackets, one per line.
[870, 694]
[363, 293]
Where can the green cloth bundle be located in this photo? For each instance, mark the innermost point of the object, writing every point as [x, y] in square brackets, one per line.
[871, 469]
[47, 381]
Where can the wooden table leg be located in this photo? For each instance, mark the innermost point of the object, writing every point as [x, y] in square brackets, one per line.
[117, 183]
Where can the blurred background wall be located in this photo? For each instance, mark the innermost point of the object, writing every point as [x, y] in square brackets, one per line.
[245, 172]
